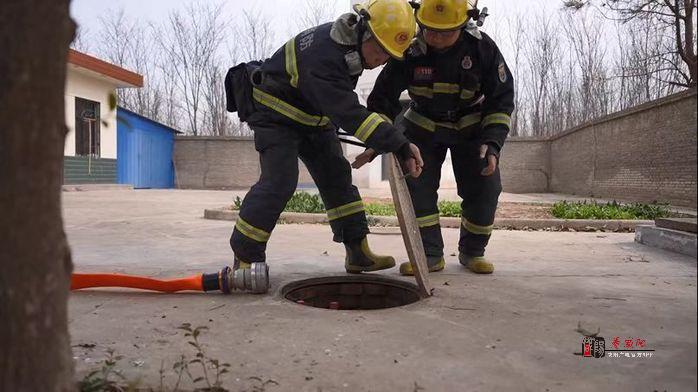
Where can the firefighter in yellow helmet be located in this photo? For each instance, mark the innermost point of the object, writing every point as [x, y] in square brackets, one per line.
[443, 15]
[295, 101]
[461, 99]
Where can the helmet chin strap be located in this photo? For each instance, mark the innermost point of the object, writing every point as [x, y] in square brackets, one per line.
[362, 34]
[361, 30]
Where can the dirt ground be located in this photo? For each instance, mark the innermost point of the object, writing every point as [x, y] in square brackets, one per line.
[505, 210]
[524, 211]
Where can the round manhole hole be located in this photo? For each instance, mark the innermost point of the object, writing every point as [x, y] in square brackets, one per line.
[352, 292]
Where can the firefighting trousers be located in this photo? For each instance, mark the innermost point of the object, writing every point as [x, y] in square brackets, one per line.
[279, 148]
[479, 194]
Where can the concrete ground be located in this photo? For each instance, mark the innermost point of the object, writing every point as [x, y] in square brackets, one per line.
[514, 330]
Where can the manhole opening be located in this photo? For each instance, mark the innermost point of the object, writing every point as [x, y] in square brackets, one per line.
[352, 293]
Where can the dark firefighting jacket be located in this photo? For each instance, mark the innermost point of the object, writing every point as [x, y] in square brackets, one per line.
[467, 89]
[310, 81]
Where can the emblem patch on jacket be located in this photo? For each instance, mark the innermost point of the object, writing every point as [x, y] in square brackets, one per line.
[467, 63]
[502, 73]
[423, 74]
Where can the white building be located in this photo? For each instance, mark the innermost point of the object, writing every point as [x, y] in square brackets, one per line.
[90, 146]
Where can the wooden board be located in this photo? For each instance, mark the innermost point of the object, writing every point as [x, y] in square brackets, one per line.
[409, 227]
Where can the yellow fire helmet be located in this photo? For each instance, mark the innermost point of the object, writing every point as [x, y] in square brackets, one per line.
[391, 23]
[443, 15]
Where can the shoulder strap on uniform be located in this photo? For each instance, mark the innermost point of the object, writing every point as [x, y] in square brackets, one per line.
[472, 29]
[353, 60]
[418, 47]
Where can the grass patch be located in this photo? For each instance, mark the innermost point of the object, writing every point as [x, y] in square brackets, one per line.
[312, 203]
[380, 209]
[450, 209]
[305, 202]
[610, 211]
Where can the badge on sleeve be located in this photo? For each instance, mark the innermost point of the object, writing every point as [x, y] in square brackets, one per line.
[467, 62]
[502, 73]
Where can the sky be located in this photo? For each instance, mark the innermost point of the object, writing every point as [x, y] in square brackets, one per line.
[87, 12]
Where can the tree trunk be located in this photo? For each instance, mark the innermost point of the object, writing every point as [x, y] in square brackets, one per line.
[35, 353]
[689, 43]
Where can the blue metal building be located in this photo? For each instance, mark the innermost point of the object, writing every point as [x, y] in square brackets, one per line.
[144, 151]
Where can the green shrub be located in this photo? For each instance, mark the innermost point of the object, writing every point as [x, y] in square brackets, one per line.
[450, 209]
[613, 210]
[305, 202]
[380, 209]
[312, 203]
[237, 203]
[308, 203]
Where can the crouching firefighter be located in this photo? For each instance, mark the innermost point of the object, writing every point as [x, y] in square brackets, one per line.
[461, 94]
[294, 100]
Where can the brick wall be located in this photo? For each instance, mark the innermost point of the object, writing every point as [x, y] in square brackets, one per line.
[525, 165]
[219, 163]
[644, 154]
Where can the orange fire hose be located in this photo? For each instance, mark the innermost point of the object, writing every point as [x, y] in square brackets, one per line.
[254, 279]
[84, 281]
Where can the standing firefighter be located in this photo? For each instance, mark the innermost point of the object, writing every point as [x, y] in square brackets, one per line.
[294, 100]
[461, 94]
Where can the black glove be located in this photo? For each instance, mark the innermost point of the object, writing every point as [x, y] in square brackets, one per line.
[374, 154]
[488, 150]
[404, 153]
[492, 149]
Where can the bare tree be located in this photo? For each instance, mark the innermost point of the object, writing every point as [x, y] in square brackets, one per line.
[115, 41]
[131, 44]
[621, 62]
[36, 263]
[516, 37]
[143, 57]
[568, 71]
[217, 121]
[315, 12]
[585, 38]
[255, 34]
[167, 83]
[80, 42]
[676, 16]
[192, 41]
[115, 37]
[640, 75]
[543, 58]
